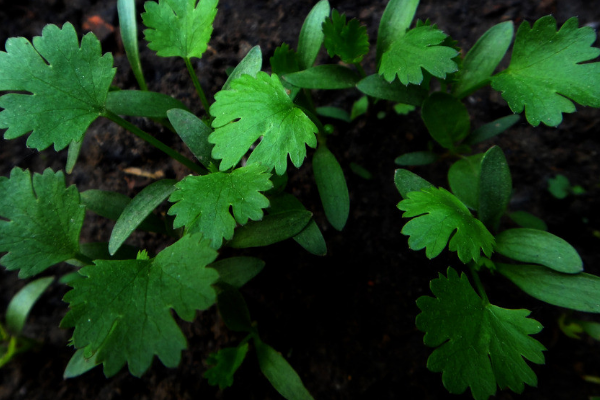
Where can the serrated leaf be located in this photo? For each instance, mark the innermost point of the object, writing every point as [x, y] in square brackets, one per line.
[418, 48]
[203, 202]
[348, 41]
[223, 364]
[68, 83]
[255, 107]
[548, 68]
[442, 217]
[179, 28]
[284, 60]
[479, 345]
[396, 19]
[121, 310]
[40, 221]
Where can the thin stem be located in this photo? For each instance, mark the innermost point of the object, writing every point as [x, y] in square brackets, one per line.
[196, 82]
[361, 70]
[478, 284]
[155, 142]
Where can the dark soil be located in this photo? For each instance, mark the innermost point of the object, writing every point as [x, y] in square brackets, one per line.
[344, 321]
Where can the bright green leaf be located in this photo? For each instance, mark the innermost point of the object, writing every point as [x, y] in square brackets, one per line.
[479, 345]
[69, 84]
[179, 28]
[311, 34]
[548, 68]
[268, 112]
[204, 202]
[21, 304]
[348, 41]
[420, 47]
[223, 365]
[122, 309]
[284, 60]
[559, 186]
[40, 222]
[446, 118]
[250, 65]
[539, 247]
[359, 107]
[442, 217]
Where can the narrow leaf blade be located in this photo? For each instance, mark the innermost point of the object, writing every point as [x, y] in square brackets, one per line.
[495, 187]
[194, 133]
[272, 229]
[21, 304]
[311, 34]
[376, 86]
[251, 65]
[237, 271]
[332, 187]
[327, 76]
[395, 21]
[140, 103]
[407, 182]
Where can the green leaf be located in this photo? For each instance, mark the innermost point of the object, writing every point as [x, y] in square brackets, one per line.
[579, 292]
[359, 107]
[420, 47]
[403, 109]
[79, 364]
[21, 304]
[272, 229]
[332, 187]
[223, 364]
[495, 187]
[250, 65]
[280, 373]
[138, 103]
[483, 58]
[99, 251]
[407, 182]
[327, 76]
[360, 171]
[548, 68]
[233, 308]
[539, 247]
[284, 60]
[463, 178]
[416, 158]
[489, 130]
[527, 220]
[559, 186]
[237, 271]
[40, 221]
[138, 210]
[479, 345]
[446, 118]
[194, 133]
[129, 34]
[267, 112]
[72, 155]
[179, 28]
[334, 112]
[376, 86]
[122, 309]
[311, 34]
[68, 83]
[440, 216]
[395, 21]
[348, 41]
[203, 202]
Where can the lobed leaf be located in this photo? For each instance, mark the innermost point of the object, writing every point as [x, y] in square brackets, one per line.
[478, 344]
[395, 21]
[259, 107]
[179, 28]
[40, 221]
[441, 217]
[121, 310]
[68, 86]
[203, 202]
[349, 40]
[548, 68]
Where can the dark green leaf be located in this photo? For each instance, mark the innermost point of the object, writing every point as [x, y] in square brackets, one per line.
[332, 187]
[280, 373]
[138, 209]
[376, 86]
[129, 34]
[334, 112]
[527, 220]
[446, 118]
[416, 158]
[223, 364]
[491, 129]
[233, 308]
[250, 65]
[139, 103]
[463, 178]
[360, 171]
[272, 229]
[99, 251]
[495, 187]
[396, 19]
[194, 133]
[539, 247]
[407, 182]
[21, 304]
[483, 58]
[311, 34]
[579, 292]
[284, 60]
[359, 107]
[237, 271]
[327, 76]
[348, 41]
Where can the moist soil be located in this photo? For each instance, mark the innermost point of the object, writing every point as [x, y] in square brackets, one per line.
[345, 321]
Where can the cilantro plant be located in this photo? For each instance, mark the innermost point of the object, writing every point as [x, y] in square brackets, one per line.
[122, 298]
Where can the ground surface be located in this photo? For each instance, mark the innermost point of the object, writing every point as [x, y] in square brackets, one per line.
[344, 321]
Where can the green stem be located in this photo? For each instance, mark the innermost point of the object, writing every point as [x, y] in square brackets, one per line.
[361, 70]
[196, 82]
[155, 142]
[478, 284]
